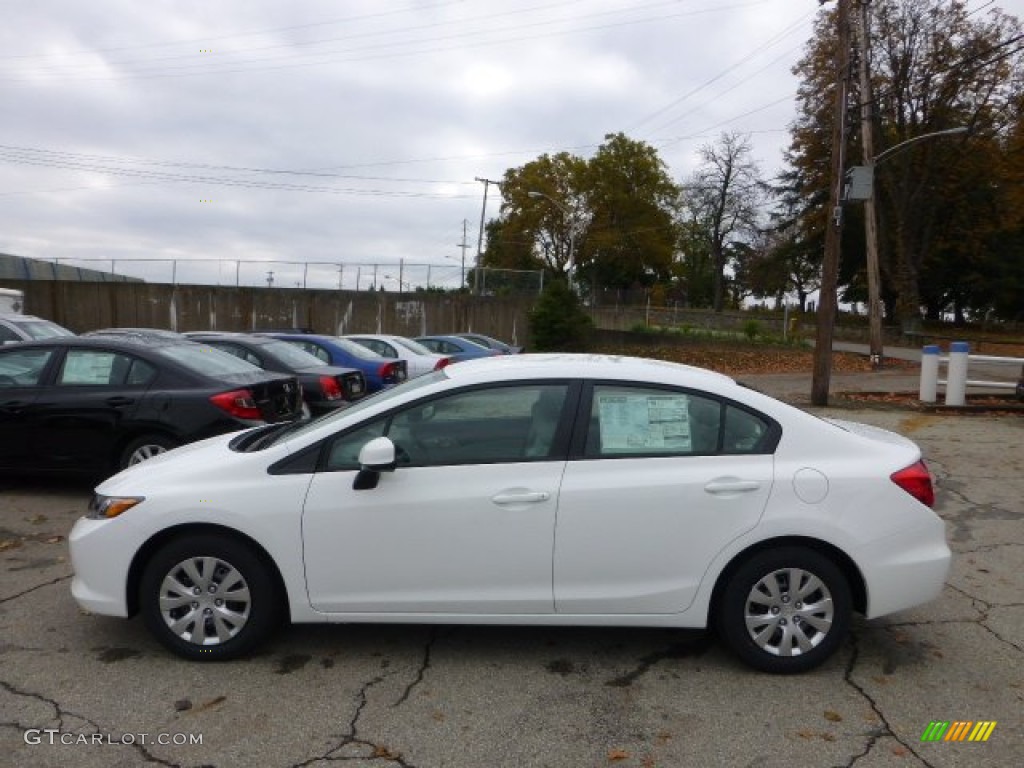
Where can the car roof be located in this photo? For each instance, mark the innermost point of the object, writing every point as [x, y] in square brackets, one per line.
[111, 341]
[593, 366]
[230, 336]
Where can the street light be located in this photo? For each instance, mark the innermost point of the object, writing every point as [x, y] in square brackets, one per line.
[865, 191]
[401, 283]
[572, 229]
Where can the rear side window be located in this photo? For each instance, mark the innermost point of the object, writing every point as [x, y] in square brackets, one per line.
[96, 367]
[640, 421]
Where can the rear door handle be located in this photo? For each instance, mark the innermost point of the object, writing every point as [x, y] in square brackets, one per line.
[118, 400]
[529, 497]
[731, 485]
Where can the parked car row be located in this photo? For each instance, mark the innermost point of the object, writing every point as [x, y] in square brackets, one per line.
[110, 398]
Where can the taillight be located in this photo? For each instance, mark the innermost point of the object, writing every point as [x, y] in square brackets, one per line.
[239, 403]
[330, 388]
[442, 363]
[917, 481]
[386, 371]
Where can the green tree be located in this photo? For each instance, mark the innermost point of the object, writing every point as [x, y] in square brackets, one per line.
[633, 204]
[612, 217]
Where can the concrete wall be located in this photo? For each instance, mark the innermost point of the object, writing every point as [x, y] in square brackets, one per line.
[88, 306]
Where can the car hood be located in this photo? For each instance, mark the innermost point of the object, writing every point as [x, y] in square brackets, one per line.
[188, 466]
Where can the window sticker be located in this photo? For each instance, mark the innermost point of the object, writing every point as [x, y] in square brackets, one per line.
[644, 423]
[87, 368]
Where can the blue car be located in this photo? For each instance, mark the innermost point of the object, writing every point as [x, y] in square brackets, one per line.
[456, 347]
[380, 372]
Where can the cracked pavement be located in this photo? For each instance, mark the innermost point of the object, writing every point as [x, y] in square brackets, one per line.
[424, 697]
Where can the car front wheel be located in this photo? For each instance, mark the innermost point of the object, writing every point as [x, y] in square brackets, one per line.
[785, 610]
[208, 597]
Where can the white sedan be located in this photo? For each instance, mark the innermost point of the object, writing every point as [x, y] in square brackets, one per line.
[418, 359]
[531, 489]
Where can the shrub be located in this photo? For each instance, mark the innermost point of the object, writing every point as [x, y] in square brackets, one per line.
[558, 322]
[752, 329]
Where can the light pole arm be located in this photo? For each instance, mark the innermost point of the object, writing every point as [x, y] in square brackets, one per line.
[903, 145]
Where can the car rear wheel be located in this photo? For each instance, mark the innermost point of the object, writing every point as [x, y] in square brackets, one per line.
[145, 447]
[209, 597]
[785, 610]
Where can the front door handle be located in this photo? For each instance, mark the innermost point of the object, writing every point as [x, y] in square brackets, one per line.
[727, 485]
[118, 401]
[529, 497]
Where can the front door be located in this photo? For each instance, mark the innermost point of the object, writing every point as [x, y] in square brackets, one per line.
[464, 525]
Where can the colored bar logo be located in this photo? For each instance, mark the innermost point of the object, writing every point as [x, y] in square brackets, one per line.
[958, 730]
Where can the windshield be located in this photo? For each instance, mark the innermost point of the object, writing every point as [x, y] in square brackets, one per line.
[357, 350]
[292, 355]
[300, 428]
[206, 360]
[412, 346]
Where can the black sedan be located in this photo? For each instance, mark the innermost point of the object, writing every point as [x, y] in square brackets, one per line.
[93, 405]
[325, 387]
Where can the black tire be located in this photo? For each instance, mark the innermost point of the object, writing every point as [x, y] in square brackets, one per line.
[787, 634]
[237, 603]
[145, 447]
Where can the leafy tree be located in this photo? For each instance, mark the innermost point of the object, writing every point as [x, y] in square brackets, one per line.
[612, 217]
[935, 65]
[632, 200]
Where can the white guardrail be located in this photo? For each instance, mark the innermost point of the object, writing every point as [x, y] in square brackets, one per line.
[956, 381]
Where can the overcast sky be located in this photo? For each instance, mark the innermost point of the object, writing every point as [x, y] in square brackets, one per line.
[259, 132]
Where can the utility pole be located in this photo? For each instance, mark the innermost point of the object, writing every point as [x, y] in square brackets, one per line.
[270, 278]
[480, 238]
[464, 245]
[822, 372]
[870, 216]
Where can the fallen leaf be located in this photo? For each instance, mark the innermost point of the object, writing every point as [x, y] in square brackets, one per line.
[36, 519]
[617, 754]
[383, 752]
[55, 540]
[899, 750]
[832, 716]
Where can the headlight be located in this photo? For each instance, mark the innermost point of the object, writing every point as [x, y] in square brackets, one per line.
[105, 507]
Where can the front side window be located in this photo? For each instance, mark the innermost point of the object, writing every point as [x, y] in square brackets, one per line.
[479, 426]
[23, 367]
[642, 421]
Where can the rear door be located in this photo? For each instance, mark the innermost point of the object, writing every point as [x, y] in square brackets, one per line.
[667, 478]
[82, 416]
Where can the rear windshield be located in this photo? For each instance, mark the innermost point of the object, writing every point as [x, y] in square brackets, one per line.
[40, 329]
[292, 355]
[357, 350]
[413, 346]
[207, 360]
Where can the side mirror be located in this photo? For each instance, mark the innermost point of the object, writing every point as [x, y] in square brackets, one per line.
[375, 457]
[378, 455]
